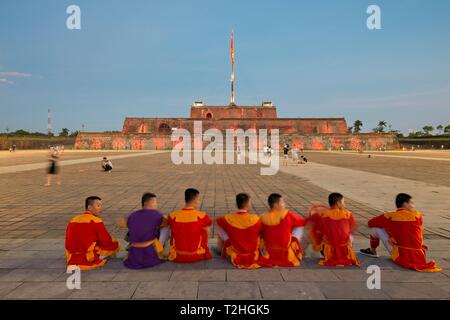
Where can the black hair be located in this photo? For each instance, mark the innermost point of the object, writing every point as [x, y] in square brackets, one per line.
[146, 197]
[273, 199]
[190, 194]
[334, 198]
[90, 201]
[242, 199]
[401, 198]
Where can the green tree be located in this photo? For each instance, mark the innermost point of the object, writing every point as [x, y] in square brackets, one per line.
[357, 126]
[39, 134]
[440, 127]
[381, 126]
[74, 133]
[447, 129]
[428, 130]
[21, 132]
[64, 132]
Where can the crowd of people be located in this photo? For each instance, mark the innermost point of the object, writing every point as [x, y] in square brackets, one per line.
[248, 240]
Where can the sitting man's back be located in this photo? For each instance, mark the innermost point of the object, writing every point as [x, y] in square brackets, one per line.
[88, 242]
[189, 240]
[144, 228]
[239, 235]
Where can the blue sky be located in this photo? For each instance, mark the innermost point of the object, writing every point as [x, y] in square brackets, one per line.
[154, 58]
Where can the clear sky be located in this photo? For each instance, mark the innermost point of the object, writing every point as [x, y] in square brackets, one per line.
[154, 58]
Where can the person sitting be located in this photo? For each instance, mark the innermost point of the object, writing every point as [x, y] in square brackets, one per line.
[189, 231]
[239, 235]
[107, 164]
[330, 230]
[148, 231]
[402, 235]
[88, 243]
[282, 230]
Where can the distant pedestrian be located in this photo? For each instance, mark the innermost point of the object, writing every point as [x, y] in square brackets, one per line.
[294, 154]
[286, 149]
[238, 151]
[53, 169]
[107, 165]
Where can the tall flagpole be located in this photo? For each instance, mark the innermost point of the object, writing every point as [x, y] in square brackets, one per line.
[232, 68]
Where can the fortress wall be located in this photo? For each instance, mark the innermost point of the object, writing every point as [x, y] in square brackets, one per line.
[285, 125]
[364, 141]
[148, 141]
[215, 112]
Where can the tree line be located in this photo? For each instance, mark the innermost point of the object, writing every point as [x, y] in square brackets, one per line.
[21, 133]
[384, 127]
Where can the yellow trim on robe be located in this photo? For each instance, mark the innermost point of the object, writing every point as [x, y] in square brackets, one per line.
[231, 252]
[187, 215]
[292, 257]
[336, 214]
[85, 268]
[102, 252]
[86, 218]
[172, 252]
[90, 256]
[403, 215]
[273, 218]
[328, 250]
[435, 269]
[158, 246]
[241, 221]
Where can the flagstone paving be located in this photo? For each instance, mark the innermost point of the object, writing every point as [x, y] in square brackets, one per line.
[33, 219]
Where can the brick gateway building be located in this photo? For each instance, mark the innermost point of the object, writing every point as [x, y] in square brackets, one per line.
[303, 133]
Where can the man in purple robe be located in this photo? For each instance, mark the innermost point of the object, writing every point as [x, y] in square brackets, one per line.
[147, 234]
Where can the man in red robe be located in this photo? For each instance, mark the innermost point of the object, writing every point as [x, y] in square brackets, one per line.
[402, 234]
[281, 230]
[189, 231]
[239, 235]
[330, 230]
[88, 243]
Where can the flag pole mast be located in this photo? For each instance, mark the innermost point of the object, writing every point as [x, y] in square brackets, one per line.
[232, 68]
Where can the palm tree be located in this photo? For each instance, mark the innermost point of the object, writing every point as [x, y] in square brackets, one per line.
[381, 126]
[64, 132]
[357, 126]
[428, 130]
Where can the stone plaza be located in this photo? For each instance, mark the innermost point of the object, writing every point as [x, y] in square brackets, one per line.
[33, 219]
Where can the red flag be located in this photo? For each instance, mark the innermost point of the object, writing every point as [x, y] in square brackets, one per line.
[232, 48]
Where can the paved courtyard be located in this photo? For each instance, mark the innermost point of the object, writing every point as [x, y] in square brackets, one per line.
[33, 219]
